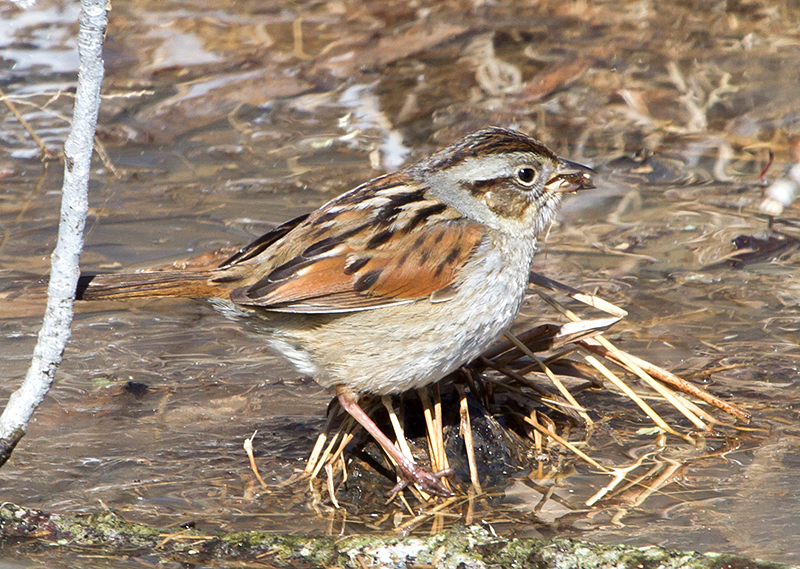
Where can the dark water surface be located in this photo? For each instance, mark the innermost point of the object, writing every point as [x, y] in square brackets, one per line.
[220, 123]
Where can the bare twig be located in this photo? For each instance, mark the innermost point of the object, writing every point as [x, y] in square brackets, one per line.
[64, 268]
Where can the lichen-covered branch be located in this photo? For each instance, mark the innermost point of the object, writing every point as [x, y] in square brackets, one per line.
[466, 548]
[64, 270]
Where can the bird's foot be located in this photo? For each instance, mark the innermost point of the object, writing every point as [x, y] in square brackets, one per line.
[427, 481]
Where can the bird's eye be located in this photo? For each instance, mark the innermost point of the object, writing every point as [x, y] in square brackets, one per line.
[526, 175]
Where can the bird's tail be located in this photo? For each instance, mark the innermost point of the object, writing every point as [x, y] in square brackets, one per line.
[148, 285]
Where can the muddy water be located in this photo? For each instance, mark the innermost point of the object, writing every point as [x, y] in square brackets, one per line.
[219, 124]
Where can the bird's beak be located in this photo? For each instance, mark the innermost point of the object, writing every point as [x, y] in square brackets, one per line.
[571, 177]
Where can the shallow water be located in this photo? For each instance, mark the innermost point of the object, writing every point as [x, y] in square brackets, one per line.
[219, 125]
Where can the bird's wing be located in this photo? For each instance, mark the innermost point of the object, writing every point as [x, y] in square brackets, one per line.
[385, 243]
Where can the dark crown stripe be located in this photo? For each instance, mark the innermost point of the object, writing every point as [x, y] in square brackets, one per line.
[492, 140]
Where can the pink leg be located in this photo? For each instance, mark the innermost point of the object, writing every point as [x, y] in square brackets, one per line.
[431, 483]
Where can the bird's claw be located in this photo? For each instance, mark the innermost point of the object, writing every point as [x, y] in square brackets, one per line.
[430, 482]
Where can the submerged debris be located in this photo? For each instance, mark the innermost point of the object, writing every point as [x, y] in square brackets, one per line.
[752, 249]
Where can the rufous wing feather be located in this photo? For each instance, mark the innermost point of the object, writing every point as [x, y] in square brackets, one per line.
[353, 276]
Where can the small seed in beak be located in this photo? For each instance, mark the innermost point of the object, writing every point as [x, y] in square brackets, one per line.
[570, 182]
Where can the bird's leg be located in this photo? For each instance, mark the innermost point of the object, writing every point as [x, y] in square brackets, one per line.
[430, 483]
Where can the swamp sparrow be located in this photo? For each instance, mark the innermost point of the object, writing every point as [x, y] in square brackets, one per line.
[395, 284]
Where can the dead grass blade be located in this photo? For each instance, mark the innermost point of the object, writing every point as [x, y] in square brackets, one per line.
[660, 388]
[466, 432]
[248, 448]
[580, 296]
[552, 377]
[667, 377]
[566, 444]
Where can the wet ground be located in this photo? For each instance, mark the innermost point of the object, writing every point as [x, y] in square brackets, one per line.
[219, 124]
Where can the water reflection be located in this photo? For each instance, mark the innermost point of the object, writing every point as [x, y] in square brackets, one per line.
[223, 123]
[42, 39]
[368, 116]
